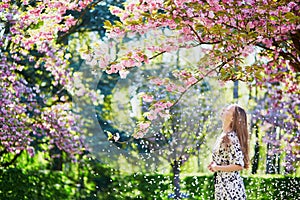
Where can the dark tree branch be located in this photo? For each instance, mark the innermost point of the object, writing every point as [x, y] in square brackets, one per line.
[6, 164]
[198, 37]
[3, 152]
[78, 23]
[212, 70]
[287, 55]
[156, 55]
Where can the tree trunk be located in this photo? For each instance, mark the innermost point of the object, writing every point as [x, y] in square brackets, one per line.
[80, 180]
[278, 155]
[198, 160]
[235, 86]
[57, 162]
[236, 90]
[271, 162]
[255, 161]
[176, 179]
[11, 161]
[271, 159]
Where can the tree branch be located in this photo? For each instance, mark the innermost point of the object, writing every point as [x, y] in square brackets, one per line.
[3, 152]
[156, 55]
[198, 37]
[287, 55]
[73, 28]
[6, 164]
[181, 95]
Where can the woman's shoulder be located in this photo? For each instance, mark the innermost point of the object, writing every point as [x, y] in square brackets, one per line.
[232, 136]
[232, 133]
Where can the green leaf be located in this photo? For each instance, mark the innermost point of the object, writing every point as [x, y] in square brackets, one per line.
[107, 25]
[258, 76]
[168, 3]
[274, 18]
[109, 135]
[290, 16]
[146, 14]
[177, 20]
[118, 24]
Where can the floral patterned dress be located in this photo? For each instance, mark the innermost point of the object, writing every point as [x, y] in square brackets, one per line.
[228, 185]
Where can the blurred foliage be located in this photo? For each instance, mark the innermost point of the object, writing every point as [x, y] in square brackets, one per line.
[19, 184]
[272, 187]
[157, 186]
[142, 186]
[83, 180]
[104, 183]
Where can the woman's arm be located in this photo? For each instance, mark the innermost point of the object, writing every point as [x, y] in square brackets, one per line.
[225, 168]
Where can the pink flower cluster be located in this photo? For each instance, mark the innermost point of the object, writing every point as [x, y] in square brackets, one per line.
[130, 60]
[147, 98]
[142, 129]
[15, 125]
[158, 109]
[59, 124]
[234, 29]
[22, 117]
[186, 78]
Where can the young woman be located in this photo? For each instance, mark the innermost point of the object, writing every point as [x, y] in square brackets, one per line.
[231, 154]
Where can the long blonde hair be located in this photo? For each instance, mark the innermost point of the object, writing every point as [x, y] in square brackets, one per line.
[240, 127]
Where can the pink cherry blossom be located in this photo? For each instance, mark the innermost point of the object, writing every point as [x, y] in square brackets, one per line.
[147, 98]
[144, 125]
[157, 81]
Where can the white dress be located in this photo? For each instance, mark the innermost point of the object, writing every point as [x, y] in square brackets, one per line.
[228, 185]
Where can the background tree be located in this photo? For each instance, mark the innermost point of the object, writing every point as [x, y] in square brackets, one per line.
[34, 72]
[37, 71]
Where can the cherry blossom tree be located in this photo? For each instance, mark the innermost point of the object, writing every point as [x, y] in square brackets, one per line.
[36, 83]
[232, 29]
[228, 31]
[280, 129]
